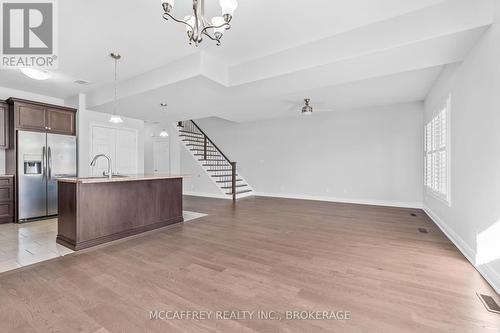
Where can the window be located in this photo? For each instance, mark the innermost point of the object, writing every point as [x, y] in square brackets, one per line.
[436, 160]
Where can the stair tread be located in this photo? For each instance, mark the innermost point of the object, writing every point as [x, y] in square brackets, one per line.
[198, 141]
[224, 175]
[191, 135]
[200, 145]
[225, 182]
[239, 192]
[188, 132]
[218, 165]
[207, 154]
[230, 187]
[199, 149]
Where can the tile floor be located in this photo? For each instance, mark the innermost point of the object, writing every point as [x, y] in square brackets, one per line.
[29, 243]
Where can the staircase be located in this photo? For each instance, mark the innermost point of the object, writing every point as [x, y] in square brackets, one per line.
[221, 170]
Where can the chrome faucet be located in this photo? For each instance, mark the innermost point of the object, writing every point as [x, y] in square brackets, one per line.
[110, 175]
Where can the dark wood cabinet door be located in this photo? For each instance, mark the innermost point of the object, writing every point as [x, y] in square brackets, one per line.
[6, 199]
[6, 194]
[6, 181]
[4, 126]
[30, 117]
[60, 121]
[6, 212]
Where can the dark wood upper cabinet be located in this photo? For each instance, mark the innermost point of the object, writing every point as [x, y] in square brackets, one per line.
[30, 117]
[4, 125]
[34, 116]
[60, 121]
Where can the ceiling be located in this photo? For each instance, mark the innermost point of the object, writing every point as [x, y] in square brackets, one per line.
[341, 53]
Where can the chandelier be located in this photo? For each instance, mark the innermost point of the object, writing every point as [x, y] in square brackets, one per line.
[198, 26]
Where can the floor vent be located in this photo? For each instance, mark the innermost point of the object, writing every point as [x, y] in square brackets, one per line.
[489, 303]
[413, 214]
[423, 230]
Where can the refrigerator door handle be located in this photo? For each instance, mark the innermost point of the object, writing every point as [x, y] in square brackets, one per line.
[49, 159]
[44, 163]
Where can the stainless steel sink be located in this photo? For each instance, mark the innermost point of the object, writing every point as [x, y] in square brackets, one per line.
[104, 177]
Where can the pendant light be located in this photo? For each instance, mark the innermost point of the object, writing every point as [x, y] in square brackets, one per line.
[163, 132]
[115, 119]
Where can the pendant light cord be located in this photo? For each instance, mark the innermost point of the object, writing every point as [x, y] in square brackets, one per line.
[114, 104]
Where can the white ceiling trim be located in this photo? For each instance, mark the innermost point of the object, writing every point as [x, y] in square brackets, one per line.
[445, 19]
[408, 57]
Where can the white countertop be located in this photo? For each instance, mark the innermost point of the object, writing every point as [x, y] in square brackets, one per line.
[127, 178]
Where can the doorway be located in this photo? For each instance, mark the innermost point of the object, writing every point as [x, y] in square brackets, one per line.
[161, 157]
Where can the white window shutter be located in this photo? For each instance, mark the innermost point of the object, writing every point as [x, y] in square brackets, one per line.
[436, 153]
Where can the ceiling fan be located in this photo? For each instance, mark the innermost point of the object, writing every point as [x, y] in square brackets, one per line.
[306, 108]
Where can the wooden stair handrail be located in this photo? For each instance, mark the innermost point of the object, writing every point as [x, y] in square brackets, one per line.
[208, 138]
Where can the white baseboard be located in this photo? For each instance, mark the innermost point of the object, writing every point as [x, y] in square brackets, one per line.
[217, 196]
[207, 195]
[417, 205]
[488, 273]
[397, 204]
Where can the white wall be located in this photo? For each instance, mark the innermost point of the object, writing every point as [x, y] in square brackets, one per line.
[473, 219]
[150, 133]
[367, 155]
[6, 93]
[197, 182]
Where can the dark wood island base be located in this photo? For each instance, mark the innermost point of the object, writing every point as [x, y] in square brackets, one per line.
[94, 211]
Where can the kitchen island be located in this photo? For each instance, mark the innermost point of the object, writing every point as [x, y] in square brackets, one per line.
[97, 210]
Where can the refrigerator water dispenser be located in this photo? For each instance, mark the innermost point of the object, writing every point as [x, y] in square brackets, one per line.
[32, 167]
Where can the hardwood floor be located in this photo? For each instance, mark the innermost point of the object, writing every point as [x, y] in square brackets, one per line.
[262, 254]
[32, 242]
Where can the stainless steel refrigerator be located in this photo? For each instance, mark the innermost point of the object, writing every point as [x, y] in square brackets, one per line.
[42, 158]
